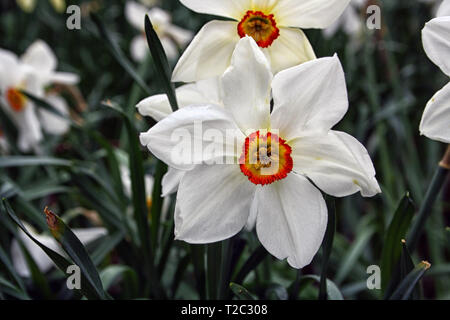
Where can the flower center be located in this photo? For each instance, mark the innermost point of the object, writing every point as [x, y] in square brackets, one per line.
[265, 158]
[16, 99]
[260, 27]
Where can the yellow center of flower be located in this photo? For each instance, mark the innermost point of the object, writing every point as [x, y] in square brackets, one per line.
[265, 158]
[260, 27]
[16, 99]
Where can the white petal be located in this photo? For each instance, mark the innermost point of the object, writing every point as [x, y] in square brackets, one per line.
[135, 14]
[436, 42]
[181, 141]
[88, 235]
[10, 70]
[209, 54]
[52, 123]
[41, 57]
[65, 78]
[170, 48]
[308, 13]
[181, 36]
[336, 162]
[27, 122]
[213, 203]
[139, 48]
[171, 180]
[435, 122]
[444, 9]
[291, 48]
[292, 219]
[309, 97]
[201, 92]
[226, 8]
[246, 86]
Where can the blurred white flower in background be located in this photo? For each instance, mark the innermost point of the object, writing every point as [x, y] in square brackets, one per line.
[172, 38]
[43, 262]
[32, 72]
[158, 107]
[440, 7]
[351, 22]
[274, 25]
[4, 146]
[435, 122]
[29, 5]
[215, 201]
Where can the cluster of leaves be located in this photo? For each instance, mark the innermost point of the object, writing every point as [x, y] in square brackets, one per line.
[79, 176]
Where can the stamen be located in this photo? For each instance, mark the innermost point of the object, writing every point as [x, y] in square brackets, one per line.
[16, 99]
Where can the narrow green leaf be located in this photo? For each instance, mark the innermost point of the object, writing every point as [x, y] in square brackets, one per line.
[157, 201]
[161, 62]
[4, 259]
[406, 287]
[22, 161]
[333, 292]
[178, 277]
[113, 273]
[396, 231]
[62, 263]
[327, 246]
[425, 210]
[10, 289]
[75, 250]
[252, 262]
[214, 262]
[198, 260]
[118, 54]
[240, 292]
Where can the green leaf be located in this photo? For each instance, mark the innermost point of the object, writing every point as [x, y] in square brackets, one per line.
[157, 201]
[62, 263]
[10, 289]
[240, 292]
[406, 287]
[10, 269]
[214, 262]
[161, 62]
[396, 232]
[198, 260]
[75, 250]
[333, 292]
[139, 199]
[252, 262]
[22, 161]
[47, 106]
[118, 54]
[113, 273]
[178, 277]
[327, 246]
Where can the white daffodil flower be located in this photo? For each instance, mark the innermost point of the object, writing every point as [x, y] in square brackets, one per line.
[267, 183]
[444, 9]
[41, 259]
[273, 24]
[158, 107]
[172, 37]
[435, 122]
[32, 72]
[350, 21]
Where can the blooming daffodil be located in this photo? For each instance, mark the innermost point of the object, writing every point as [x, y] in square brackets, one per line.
[435, 123]
[172, 37]
[273, 24]
[32, 72]
[271, 158]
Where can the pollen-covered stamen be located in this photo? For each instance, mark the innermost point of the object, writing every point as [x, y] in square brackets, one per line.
[260, 27]
[265, 158]
[16, 99]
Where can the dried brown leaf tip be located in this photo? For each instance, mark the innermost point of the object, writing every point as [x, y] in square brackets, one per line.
[426, 264]
[53, 223]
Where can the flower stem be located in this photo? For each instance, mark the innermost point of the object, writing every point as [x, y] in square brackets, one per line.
[436, 185]
[327, 245]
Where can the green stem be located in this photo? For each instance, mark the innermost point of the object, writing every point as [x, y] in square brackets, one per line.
[434, 189]
[214, 262]
[327, 246]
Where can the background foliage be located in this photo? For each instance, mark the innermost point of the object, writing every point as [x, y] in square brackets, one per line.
[389, 79]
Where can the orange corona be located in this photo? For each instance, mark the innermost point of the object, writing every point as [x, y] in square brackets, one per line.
[15, 99]
[265, 158]
[260, 27]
